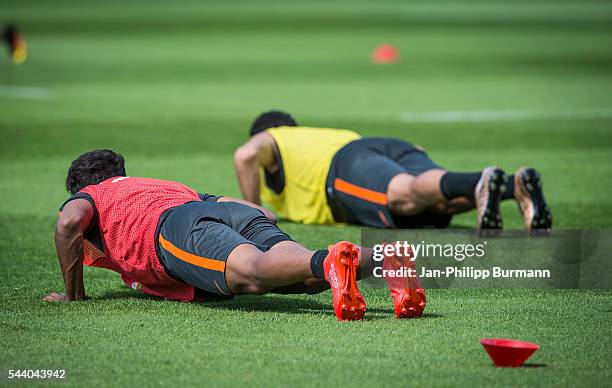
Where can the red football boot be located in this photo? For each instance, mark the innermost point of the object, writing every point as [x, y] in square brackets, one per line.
[340, 267]
[406, 291]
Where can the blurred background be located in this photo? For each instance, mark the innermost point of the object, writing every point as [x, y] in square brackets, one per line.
[174, 86]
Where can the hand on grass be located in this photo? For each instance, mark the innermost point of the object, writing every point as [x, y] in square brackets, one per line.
[60, 297]
[56, 297]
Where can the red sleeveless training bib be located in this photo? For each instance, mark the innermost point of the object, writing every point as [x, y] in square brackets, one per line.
[128, 212]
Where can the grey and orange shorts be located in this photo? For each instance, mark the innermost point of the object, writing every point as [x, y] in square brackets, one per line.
[359, 177]
[195, 240]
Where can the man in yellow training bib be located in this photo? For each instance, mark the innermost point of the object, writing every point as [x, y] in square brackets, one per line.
[324, 176]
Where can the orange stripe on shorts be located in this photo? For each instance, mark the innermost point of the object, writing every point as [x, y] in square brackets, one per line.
[214, 265]
[360, 192]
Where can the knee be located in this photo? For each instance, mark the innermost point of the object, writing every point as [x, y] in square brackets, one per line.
[408, 200]
[400, 187]
[246, 278]
[407, 207]
[253, 287]
[249, 285]
[403, 202]
[401, 196]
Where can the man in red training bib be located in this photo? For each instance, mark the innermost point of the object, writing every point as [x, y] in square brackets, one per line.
[167, 240]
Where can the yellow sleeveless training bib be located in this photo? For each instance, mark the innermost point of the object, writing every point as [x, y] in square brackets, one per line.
[306, 154]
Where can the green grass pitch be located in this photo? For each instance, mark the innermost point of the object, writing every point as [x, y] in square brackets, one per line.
[174, 86]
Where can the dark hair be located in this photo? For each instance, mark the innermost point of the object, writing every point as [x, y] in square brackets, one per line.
[271, 119]
[92, 168]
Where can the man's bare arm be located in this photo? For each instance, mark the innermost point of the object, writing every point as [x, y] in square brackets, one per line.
[257, 152]
[265, 211]
[71, 224]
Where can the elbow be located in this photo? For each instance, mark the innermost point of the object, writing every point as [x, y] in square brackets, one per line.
[245, 156]
[69, 223]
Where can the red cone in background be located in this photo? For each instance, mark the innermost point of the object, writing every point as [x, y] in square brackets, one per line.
[508, 353]
[385, 53]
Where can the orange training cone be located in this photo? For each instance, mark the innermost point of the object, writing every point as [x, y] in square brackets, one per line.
[385, 53]
[508, 353]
